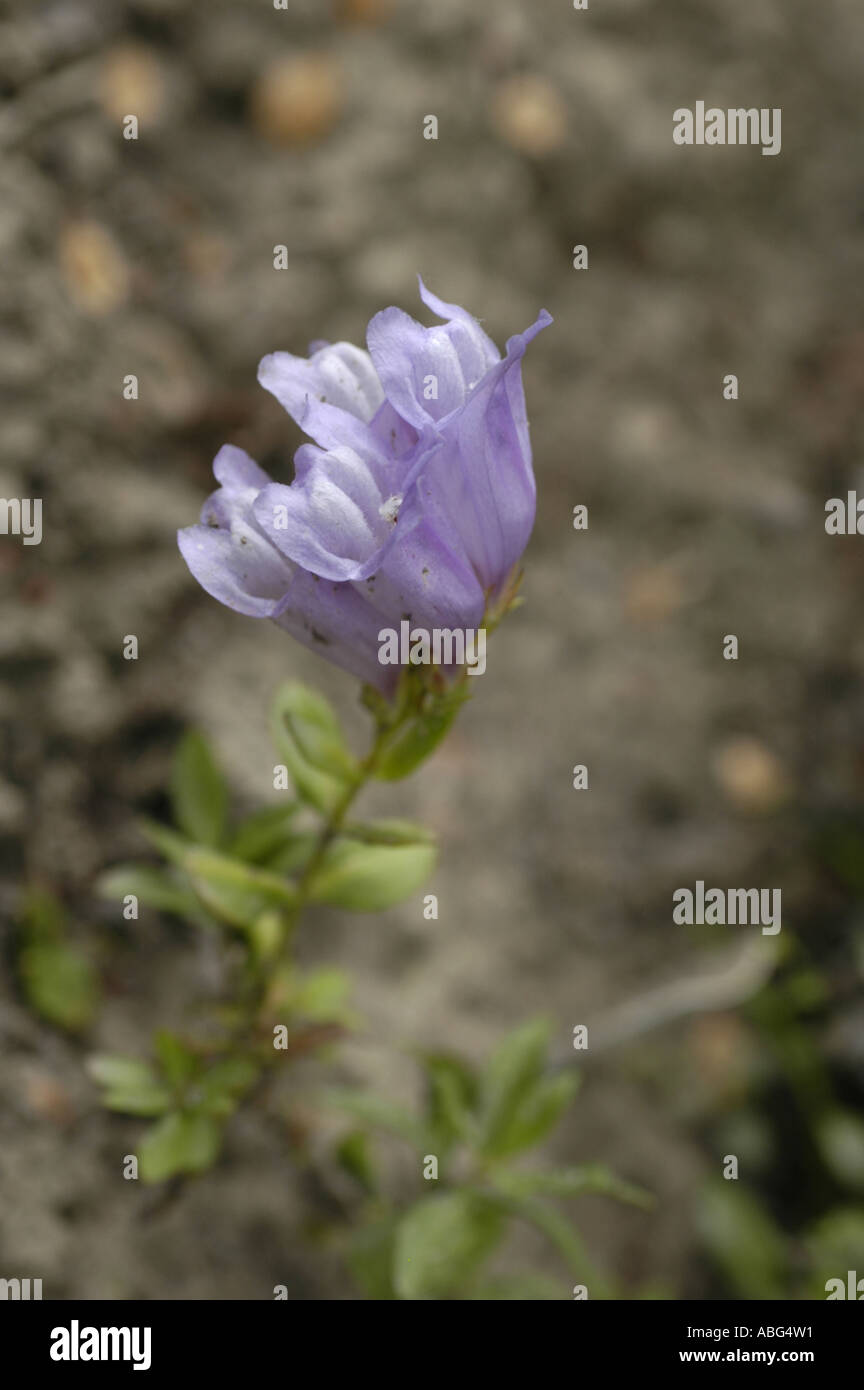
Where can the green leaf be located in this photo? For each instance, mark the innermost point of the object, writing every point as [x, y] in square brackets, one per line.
[834, 1245]
[170, 845]
[311, 723]
[414, 741]
[806, 991]
[295, 855]
[744, 1240]
[370, 1259]
[840, 843]
[131, 1086]
[267, 935]
[388, 832]
[321, 995]
[177, 1062]
[533, 1116]
[121, 1073]
[237, 893]
[441, 1242]
[317, 788]
[514, 1071]
[378, 1112]
[144, 1103]
[452, 1095]
[154, 888]
[60, 983]
[199, 796]
[369, 878]
[841, 1141]
[178, 1143]
[588, 1179]
[224, 1083]
[354, 1156]
[42, 916]
[308, 737]
[264, 834]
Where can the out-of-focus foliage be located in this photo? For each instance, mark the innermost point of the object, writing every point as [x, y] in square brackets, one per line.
[56, 975]
[794, 1218]
[470, 1139]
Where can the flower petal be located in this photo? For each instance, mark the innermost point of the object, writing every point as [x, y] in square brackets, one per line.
[480, 486]
[427, 373]
[238, 567]
[340, 516]
[339, 375]
[329, 521]
[235, 470]
[421, 579]
[335, 621]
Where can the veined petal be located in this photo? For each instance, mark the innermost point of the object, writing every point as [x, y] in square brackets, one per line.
[419, 367]
[423, 580]
[235, 562]
[238, 567]
[236, 471]
[329, 522]
[227, 553]
[427, 373]
[339, 375]
[480, 486]
[336, 621]
[396, 438]
[478, 351]
[340, 516]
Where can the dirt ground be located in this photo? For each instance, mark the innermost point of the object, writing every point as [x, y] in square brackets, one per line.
[154, 257]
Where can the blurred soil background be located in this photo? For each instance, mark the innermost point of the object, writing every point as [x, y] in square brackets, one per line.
[304, 127]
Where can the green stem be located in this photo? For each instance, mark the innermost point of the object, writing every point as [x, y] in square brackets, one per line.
[335, 820]
[259, 972]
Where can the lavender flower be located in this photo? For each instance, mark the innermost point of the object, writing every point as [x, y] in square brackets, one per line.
[415, 502]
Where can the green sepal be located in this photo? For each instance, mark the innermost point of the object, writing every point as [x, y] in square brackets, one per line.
[417, 736]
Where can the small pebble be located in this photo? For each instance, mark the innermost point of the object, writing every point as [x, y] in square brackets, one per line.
[530, 114]
[751, 776]
[93, 267]
[297, 101]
